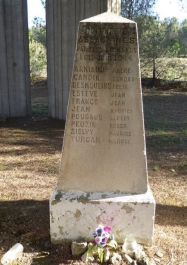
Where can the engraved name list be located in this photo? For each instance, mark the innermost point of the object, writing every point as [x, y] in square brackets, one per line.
[103, 76]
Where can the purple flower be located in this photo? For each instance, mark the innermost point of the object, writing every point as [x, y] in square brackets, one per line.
[101, 235]
[107, 229]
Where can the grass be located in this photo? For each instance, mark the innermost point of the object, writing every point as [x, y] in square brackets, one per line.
[40, 110]
[30, 153]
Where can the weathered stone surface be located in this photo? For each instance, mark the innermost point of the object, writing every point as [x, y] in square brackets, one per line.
[159, 254]
[78, 248]
[76, 214]
[116, 259]
[104, 144]
[127, 258]
[131, 247]
[13, 254]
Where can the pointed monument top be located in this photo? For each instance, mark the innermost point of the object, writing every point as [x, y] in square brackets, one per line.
[108, 17]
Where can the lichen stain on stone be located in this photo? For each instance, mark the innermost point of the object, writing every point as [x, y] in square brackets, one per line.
[83, 199]
[54, 202]
[98, 219]
[61, 230]
[128, 209]
[78, 214]
[66, 234]
[58, 197]
[95, 202]
[52, 218]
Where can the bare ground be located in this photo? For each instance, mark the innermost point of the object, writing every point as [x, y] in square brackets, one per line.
[30, 152]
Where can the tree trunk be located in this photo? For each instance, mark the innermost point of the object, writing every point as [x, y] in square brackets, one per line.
[154, 73]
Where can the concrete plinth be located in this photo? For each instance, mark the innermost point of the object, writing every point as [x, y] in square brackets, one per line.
[75, 215]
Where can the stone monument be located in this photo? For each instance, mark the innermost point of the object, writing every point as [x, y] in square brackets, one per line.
[103, 176]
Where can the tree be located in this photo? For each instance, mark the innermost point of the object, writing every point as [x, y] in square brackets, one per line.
[183, 38]
[38, 58]
[159, 39]
[43, 3]
[37, 47]
[134, 8]
[39, 31]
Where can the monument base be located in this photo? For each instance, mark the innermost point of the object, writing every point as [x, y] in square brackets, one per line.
[75, 215]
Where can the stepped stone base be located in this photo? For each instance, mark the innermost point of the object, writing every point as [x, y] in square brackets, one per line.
[75, 215]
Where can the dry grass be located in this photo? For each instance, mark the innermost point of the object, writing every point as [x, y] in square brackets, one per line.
[30, 152]
[29, 159]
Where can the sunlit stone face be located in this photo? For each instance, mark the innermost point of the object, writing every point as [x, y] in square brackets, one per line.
[104, 146]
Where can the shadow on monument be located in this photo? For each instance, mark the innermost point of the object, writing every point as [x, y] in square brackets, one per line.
[27, 221]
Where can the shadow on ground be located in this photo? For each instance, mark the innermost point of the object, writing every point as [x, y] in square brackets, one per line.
[27, 222]
[165, 112]
[36, 135]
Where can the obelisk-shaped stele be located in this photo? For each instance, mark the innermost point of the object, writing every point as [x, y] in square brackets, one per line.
[103, 177]
[104, 142]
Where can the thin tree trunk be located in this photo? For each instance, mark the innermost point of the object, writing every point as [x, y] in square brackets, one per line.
[154, 73]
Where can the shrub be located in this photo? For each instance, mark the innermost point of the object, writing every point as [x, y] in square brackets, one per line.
[38, 59]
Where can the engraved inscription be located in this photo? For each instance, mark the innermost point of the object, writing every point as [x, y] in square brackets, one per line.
[104, 134]
[103, 51]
